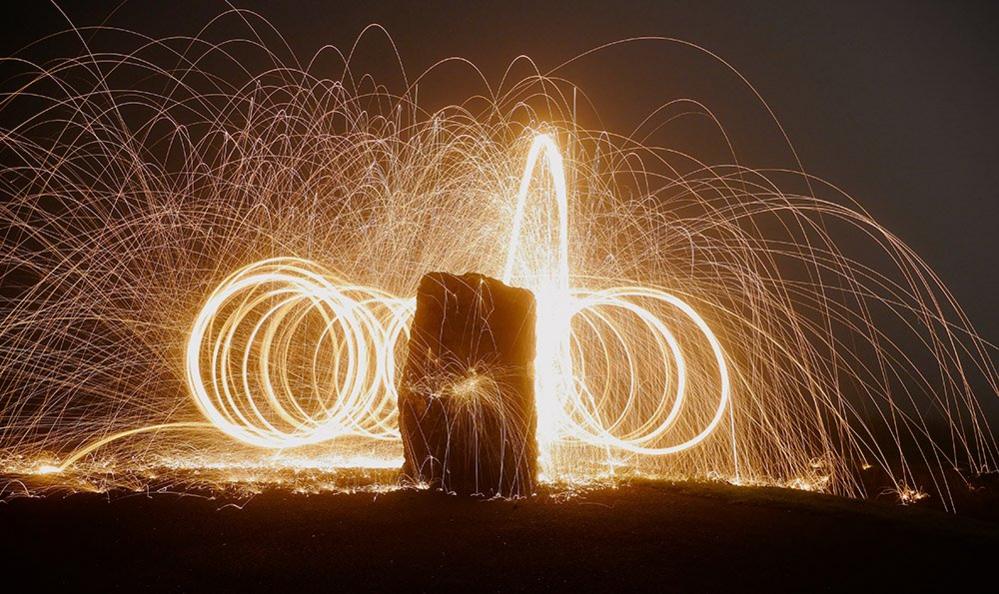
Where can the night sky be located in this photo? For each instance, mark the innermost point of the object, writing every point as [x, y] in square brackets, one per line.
[893, 102]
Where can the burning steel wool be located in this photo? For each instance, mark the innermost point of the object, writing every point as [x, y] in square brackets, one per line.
[208, 281]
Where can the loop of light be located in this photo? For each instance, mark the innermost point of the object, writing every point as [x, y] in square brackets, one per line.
[245, 390]
[245, 337]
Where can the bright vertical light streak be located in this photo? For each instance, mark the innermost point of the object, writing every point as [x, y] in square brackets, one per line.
[543, 145]
[553, 363]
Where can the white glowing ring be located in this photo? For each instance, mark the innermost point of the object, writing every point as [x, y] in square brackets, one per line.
[591, 430]
[247, 393]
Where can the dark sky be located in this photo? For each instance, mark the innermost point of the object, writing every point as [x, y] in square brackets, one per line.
[895, 102]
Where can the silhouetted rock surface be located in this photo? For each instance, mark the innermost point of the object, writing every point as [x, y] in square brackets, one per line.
[466, 400]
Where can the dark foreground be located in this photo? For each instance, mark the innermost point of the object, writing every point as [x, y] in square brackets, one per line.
[642, 537]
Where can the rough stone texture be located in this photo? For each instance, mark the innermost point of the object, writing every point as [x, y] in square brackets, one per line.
[466, 400]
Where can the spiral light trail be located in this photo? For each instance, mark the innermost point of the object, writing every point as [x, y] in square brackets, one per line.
[269, 300]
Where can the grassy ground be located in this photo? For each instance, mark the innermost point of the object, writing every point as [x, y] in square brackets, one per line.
[646, 536]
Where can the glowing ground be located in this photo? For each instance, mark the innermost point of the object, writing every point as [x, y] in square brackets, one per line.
[664, 537]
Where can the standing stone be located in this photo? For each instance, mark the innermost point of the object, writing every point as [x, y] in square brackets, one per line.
[466, 401]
